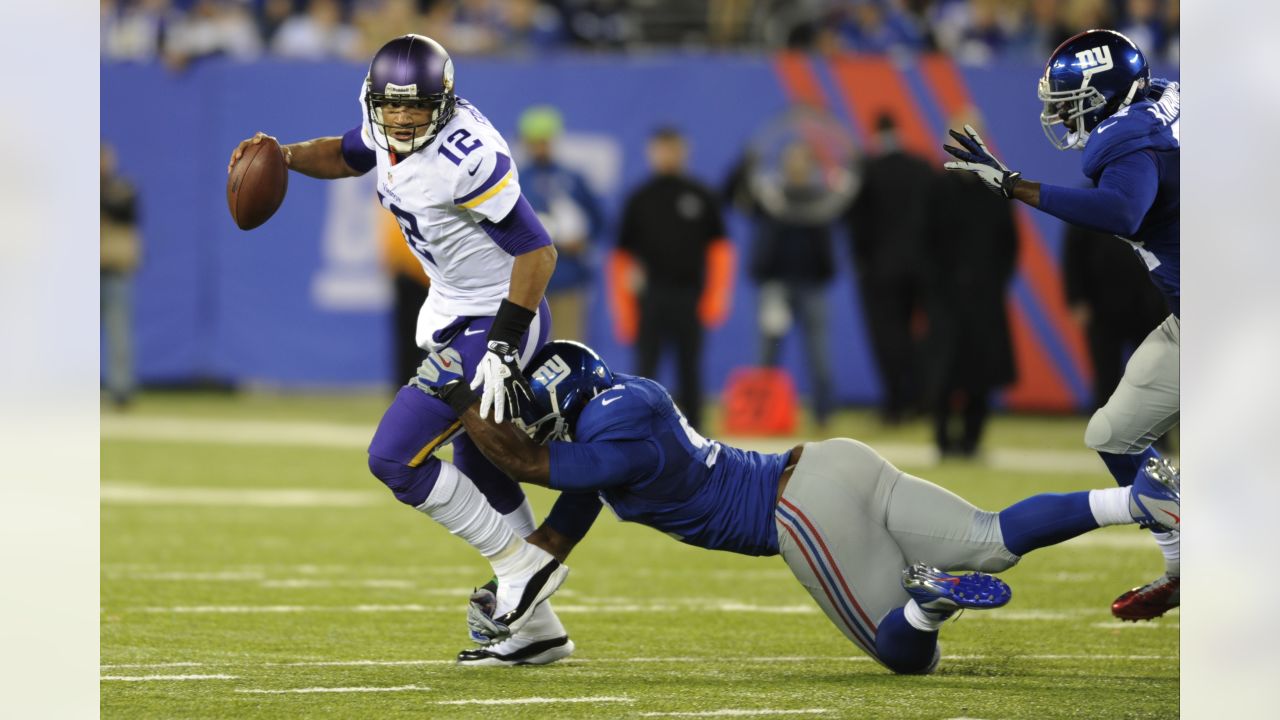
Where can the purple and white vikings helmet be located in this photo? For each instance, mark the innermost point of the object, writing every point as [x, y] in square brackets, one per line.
[414, 71]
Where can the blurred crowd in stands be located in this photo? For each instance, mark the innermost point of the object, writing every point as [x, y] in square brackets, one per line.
[973, 31]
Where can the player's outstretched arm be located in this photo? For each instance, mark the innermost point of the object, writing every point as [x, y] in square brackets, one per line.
[319, 158]
[505, 445]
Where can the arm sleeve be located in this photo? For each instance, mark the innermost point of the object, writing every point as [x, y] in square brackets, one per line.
[1117, 205]
[574, 513]
[357, 152]
[520, 231]
[586, 466]
[487, 183]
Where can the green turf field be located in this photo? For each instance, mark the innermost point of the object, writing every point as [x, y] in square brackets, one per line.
[252, 568]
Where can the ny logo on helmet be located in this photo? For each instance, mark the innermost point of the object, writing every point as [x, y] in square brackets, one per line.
[1094, 60]
[552, 372]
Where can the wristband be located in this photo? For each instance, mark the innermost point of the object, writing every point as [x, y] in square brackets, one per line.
[1008, 183]
[510, 323]
[459, 395]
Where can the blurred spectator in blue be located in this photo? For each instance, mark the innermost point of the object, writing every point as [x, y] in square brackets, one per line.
[867, 26]
[792, 263]
[972, 31]
[569, 211]
[528, 26]
[213, 28]
[1144, 26]
[1041, 32]
[272, 17]
[134, 29]
[120, 252]
[319, 33]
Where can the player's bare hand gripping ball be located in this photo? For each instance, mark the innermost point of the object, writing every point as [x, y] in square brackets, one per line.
[257, 179]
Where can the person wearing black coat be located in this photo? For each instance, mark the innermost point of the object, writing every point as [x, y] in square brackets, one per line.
[886, 228]
[1112, 299]
[973, 249]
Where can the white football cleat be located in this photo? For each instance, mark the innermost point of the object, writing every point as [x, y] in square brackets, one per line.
[519, 594]
[541, 641]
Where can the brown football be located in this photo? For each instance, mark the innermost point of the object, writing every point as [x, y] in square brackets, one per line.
[257, 184]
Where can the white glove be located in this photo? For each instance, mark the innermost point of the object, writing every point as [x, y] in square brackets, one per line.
[977, 159]
[505, 388]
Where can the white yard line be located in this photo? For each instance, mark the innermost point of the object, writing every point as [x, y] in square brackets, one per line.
[120, 493]
[536, 700]
[736, 712]
[166, 678]
[289, 691]
[349, 436]
[715, 660]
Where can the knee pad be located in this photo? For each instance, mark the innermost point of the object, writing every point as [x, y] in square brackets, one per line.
[410, 485]
[1098, 434]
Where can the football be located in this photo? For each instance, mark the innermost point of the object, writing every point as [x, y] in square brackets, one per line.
[257, 184]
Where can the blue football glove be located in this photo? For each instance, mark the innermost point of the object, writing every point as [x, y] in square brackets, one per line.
[438, 370]
[975, 158]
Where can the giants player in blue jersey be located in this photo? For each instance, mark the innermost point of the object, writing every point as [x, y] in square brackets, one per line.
[1099, 97]
[874, 546]
[446, 174]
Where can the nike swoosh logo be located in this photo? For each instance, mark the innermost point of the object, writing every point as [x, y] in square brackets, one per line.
[469, 332]
[1176, 519]
[606, 402]
[473, 170]
[1103, 128]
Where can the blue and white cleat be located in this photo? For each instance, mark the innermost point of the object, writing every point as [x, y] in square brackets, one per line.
[942, 594]
[480, 608]
[1155, 501]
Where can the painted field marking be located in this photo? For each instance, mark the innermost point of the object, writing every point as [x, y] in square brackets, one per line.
[356, 437]
[120, 493]
[716, 660]
[166, 678]
[536, 701]
[1121, 625]
[736, 712]
[288, 691]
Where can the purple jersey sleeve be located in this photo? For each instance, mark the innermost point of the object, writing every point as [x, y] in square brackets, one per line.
[1117, 205]
[356, 153]
[520, 231]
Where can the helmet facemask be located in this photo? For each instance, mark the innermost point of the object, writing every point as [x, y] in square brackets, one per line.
[441, 105]
[1078, 111]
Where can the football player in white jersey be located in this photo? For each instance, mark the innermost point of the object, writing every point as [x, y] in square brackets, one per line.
[447, 176]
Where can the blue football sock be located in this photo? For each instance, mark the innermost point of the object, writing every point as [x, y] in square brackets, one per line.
[1124, 468]
[903, 648]
[1047, 519]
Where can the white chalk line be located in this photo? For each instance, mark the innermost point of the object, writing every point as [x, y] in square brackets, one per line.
[308, 690]
[537, 700]
[711, 660]
[356, 437]
[737, 712]
[166, 678]
[122, 493]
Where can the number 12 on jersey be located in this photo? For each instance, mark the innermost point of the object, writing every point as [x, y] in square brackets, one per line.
[462, 141]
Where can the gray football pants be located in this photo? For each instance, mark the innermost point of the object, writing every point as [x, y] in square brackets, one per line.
[849, 523]
[1145, 404]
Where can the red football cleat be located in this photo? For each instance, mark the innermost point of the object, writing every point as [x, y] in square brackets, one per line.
[1149, 601]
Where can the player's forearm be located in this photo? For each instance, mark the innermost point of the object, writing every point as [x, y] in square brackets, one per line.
[319, 158]
[1028, 192]
[508, 448]
[530, 275]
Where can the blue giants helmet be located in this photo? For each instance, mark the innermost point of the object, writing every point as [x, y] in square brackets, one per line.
[564, 375]
[413, 71]
[1088, 79]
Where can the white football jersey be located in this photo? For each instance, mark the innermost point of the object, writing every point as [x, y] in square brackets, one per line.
[439, 195]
